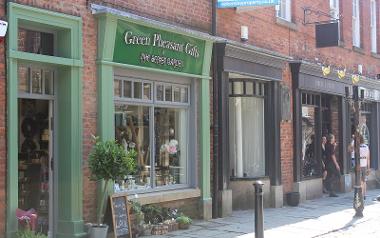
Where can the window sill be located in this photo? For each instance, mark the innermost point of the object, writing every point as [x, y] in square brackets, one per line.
[287, 24]
[358, 50]
[375, 55]
[166, 196]
[248, 178]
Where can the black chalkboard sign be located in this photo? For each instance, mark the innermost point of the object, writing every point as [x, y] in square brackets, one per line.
[120, 216]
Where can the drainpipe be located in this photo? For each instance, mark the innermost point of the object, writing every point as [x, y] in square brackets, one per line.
[215, 180]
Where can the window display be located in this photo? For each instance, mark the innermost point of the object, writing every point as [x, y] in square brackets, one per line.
[310, 162]
[156, 129]
[33, 160]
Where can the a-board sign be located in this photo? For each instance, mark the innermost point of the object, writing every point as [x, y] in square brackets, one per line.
[120, 216]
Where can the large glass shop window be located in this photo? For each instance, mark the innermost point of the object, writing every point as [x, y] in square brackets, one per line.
[154, 123]
[310, 164]
[246, 129]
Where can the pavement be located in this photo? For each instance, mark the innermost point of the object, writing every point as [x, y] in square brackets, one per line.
[325, 217]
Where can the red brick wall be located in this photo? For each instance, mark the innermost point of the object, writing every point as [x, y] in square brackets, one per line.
[286, 140]
[190, 13]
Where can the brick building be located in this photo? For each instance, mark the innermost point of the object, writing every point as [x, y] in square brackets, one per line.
[139, 71]
[304, 96]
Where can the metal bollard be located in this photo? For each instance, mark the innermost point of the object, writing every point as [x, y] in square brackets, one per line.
[259, 209]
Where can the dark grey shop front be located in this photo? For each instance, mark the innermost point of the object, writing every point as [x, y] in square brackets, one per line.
[321, 108]
[246, 112]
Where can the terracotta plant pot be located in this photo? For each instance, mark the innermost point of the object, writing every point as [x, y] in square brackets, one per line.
[183, 226]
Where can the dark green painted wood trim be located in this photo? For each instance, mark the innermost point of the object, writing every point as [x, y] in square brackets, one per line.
[205, 125]
[105, 125]
[12, 151]
[70, 218]
[70, 198]
[46, 59]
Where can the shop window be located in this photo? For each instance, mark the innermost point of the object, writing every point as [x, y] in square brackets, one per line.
[310, 163]
[171, 146]
[158, 132]
[36, 42]
[247, 88]
[35, 80]
[172, 93]
[246, 128]
[136, 89]
[365, 121]
[246, 119]
[132, 131]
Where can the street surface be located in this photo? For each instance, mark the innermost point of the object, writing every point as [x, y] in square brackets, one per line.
[320, 218]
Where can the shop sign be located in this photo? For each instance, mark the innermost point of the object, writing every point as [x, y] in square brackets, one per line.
[149, 47]
[246, 3]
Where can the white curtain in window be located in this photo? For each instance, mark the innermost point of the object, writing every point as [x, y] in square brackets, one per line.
[247, 138]
[355, 23]
[373, 27]
[334, 8]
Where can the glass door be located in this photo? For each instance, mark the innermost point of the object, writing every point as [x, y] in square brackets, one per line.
[36, 148]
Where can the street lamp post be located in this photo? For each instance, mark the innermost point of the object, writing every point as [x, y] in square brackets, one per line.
[358, 195]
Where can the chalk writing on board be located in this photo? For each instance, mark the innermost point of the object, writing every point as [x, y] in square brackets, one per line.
[120, 215]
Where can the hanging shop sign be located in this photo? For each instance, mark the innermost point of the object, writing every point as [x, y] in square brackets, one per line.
[149, 47]
[247, 3]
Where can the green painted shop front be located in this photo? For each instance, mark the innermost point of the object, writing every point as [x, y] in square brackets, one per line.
[133, 49]
[174, 54]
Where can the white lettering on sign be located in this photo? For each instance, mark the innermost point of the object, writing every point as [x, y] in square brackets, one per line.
[158, 41]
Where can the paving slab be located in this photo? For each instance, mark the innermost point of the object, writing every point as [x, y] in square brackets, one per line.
[320, 218]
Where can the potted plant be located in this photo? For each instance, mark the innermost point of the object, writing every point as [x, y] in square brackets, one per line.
[136, 217]
[108, 161]
[29, 234]
[184, 222]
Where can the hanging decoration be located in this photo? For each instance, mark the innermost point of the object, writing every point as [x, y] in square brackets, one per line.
[326, 70]
[341, 73]
[355, 78]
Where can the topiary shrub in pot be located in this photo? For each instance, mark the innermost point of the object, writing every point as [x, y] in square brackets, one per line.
[108, 161]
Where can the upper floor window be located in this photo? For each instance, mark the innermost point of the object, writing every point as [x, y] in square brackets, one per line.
[334, 9]
[355, 23]
[373, 27]
[284, 10]
[36, 42]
